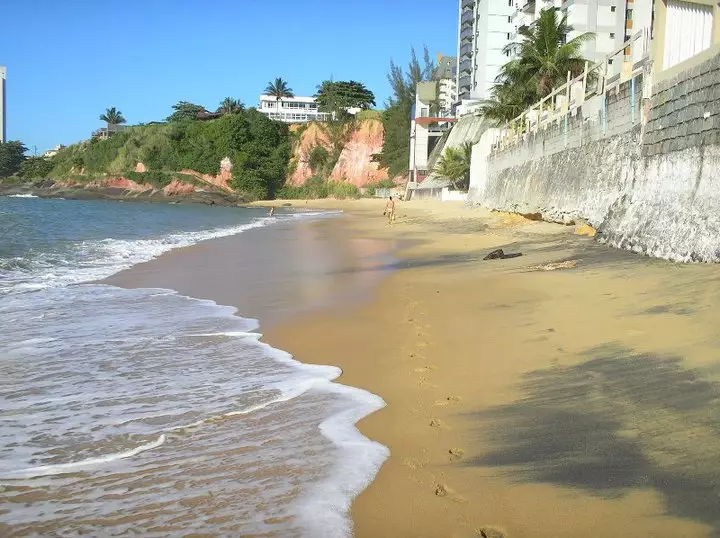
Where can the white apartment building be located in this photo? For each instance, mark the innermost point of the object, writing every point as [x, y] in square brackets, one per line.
[3, 119]
[291, 109]
[427, 125]
[485, 28]
[612, 21]
[446, 75]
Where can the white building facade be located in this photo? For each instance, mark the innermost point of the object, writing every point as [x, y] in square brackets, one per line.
[291, 109]
[3, 118]
[446, 77]
[485, 29]
[612, 21]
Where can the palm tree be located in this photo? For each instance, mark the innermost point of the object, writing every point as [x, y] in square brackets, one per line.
[230, 106]
[454, 164]
[279, 89]
[544, 58]
[112, 116]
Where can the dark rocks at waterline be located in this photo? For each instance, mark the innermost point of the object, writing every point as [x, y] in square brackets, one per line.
[49, 189]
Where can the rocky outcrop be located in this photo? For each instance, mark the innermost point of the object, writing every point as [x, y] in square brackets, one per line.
[172, 193]
[311, 135]
[177, 187]
[117, 183]
[221, 180]
[354, 164]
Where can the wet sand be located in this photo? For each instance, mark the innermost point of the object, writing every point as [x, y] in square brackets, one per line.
[579, 401]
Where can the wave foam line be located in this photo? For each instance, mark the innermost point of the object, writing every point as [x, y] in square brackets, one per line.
[62, 468]
[21, 196]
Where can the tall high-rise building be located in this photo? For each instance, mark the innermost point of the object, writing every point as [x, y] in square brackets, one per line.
[3, 129]
[485, 28]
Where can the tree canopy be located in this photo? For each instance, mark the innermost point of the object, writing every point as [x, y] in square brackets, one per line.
[338, 97]
[544, 58]
[395, 153]
[112, 116]
[185, 111]
[230, 106]
[12, 155]
[279, 89]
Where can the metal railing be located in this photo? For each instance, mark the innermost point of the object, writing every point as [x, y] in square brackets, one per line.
[595, 80]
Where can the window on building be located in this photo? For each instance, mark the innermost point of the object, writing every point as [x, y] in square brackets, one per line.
[612, 9]
[628, 14]
[509, 19]
[510, 3]
[612, 35]
[508, 36]
[610, 61]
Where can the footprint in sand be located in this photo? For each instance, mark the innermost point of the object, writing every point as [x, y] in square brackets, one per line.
[447, 401]
[456, 453]
[424, 369]
[424, 382]
[435, 423]
[441, 490]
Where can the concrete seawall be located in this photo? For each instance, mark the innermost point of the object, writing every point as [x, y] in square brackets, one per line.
[648, 177]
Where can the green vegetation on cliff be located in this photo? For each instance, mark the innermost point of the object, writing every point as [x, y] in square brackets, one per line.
[258, 148]
[316, 187]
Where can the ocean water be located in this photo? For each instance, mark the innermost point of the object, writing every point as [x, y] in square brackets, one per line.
[146, 412]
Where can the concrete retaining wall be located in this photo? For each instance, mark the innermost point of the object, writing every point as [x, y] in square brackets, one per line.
[652, 188]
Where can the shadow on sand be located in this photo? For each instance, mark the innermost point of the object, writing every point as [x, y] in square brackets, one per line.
[618, 421]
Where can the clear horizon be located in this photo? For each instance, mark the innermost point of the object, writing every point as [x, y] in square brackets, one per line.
[68, 63]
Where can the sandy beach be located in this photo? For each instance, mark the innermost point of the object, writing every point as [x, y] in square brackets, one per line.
[571, 391]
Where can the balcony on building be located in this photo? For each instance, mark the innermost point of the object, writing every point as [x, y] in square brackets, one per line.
[466, 18]
[527, 5]
[466, 34]
[465, 49]
[466, 66]
[427, 111]
[291, 109]
[468, 4]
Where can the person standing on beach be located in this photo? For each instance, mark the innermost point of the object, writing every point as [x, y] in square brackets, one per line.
[390, 210]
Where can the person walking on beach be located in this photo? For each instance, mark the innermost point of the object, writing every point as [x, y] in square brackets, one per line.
[272, 211]
[390, 210]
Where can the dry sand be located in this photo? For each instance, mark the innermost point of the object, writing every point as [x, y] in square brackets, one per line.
[569, 392]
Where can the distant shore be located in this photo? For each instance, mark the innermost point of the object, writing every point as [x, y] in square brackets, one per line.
[49, 189]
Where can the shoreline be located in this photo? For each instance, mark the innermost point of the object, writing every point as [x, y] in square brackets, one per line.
[452, 342]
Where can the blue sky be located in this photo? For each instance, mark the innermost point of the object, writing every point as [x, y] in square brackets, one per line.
[69, 60]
